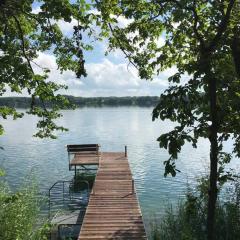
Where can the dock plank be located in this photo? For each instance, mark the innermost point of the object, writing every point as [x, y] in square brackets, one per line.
[113, 211]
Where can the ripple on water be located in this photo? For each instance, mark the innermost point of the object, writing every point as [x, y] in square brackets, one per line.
[112, 128]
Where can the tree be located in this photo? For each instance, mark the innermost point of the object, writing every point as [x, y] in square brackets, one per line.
[25, 33]
[202, 42]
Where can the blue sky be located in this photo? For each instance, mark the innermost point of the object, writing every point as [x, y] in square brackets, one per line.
[107, 75]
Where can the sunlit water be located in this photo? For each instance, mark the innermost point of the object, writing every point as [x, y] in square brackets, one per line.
[112, 128]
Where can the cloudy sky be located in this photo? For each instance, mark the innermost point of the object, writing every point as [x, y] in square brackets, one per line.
[107, 75]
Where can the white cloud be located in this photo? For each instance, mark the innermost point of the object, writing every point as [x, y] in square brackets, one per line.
[160, 42]
[107, 74]
[94, 11]
[46, 61]
[67, 27]
[123, 22]
[108, 79]
[49, 61]
[36, 10]
[176, 24]
[105, 78]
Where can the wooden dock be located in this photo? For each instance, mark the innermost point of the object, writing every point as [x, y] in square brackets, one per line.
[113, 211]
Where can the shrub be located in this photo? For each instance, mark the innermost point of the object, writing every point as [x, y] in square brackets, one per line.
[19, 214]
[188, 220]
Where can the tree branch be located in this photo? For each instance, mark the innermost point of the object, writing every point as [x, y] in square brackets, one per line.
[119, 42]
[25, 55]
[222, 26]
[195, 29]
[23, 43]
[196, 19]
[128, 56]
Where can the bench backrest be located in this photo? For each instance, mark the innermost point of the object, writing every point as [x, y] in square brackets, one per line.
[83, 148]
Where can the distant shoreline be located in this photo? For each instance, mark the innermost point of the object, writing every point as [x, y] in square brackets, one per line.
[139, 101]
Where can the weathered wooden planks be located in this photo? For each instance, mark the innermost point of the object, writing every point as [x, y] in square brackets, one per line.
[70, 218]
[113, 211]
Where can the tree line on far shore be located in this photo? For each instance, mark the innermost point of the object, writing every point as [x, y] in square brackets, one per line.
[141, 101]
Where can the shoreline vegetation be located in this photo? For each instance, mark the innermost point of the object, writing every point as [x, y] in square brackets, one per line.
[188, 220]
[20, 212]
[140, 101]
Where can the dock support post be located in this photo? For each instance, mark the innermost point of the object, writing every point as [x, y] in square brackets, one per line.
[132, 186]
[49, 204]
[69, 161]
[75, 176]
[125, 151]
[63, 192]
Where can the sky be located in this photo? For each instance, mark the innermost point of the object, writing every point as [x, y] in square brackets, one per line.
[109, 75]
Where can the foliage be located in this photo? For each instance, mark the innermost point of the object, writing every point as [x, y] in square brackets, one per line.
[201, 41]
[189, 28]
[188, 220]
[19, 214]
[24, 33]
[2, 172]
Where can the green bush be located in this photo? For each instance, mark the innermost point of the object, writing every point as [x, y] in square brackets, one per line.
[188, 220]
[19, 214]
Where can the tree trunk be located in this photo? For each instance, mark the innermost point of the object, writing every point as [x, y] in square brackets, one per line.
[2, 2]
[213, 191]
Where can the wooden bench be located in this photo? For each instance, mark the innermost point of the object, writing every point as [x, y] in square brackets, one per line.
[83, 148]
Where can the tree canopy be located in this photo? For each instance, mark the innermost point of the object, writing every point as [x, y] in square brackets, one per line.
[24, 33]
[201, 41]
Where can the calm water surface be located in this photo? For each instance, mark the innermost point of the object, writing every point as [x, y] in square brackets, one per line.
[112, 128]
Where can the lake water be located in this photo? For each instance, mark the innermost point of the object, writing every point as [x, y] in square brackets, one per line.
[112, 128]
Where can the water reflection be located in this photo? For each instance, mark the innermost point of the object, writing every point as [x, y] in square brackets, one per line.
[112, 128]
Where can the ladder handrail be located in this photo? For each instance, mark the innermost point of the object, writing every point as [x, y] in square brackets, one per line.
[63, 184]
